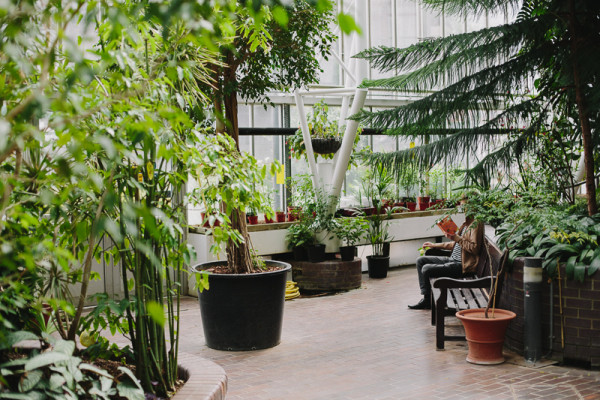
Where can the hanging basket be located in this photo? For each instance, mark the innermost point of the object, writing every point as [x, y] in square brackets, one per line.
[325, 146]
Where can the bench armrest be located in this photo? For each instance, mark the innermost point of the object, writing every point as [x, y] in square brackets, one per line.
[446, 283]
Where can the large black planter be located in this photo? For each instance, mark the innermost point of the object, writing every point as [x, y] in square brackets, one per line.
[378, 266]
[243, 311]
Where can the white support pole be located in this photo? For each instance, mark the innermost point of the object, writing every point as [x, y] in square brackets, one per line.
[346, 150]
[310, 155]
[344, 67]
[343, 115]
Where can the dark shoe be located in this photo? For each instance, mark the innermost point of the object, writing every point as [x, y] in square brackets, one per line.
[421, 305]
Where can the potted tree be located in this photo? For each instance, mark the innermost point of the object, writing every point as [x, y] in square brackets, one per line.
[239, 311]
[235, 307]
[350, 231]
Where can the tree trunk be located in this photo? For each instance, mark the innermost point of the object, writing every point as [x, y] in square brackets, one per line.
[586, 131]
[238, 256]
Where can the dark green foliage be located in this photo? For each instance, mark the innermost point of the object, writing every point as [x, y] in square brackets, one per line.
[510, 79]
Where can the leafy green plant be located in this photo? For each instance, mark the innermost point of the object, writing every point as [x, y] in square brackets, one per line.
[548, 43]
[351, 230]
[57, 373]
[557, 237]
[299, 235]
[377, 233]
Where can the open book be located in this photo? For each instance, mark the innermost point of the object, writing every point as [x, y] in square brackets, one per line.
[447, 225]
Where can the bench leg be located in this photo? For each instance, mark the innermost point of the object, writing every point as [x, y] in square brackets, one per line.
[440, 320]
[433, 308]
[439, 329]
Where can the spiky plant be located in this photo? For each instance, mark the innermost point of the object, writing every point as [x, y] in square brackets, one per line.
[483, 76]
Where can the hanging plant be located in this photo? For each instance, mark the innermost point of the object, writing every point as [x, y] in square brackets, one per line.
[326, 136]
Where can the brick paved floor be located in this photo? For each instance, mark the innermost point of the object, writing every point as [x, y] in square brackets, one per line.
[366, 344]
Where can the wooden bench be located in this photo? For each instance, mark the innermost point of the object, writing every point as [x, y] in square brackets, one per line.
[450, 295]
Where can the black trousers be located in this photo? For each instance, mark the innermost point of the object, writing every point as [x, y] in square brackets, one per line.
[435, 267]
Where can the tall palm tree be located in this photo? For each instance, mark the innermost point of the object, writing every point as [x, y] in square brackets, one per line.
[551, 48]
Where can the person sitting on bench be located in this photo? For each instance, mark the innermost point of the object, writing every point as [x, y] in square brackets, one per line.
[466, 248]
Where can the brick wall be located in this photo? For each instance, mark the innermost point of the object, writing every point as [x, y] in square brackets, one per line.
[580, 315]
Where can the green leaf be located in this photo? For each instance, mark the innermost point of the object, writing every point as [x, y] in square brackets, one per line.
[579, 273]
[347, 24]
[16, 337]
[595, 264]
[570, 267]
[44, 359]
[280, 16]
[156, 312]
[30, 381]
[561, 249]
[130, 390]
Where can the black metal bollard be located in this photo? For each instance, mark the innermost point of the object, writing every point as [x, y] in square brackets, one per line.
[532, 285]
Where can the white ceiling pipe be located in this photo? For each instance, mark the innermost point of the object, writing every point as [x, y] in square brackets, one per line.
[346, 149]
[310, 155]
[317, 92]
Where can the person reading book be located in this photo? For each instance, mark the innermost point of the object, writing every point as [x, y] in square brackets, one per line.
[465, 245]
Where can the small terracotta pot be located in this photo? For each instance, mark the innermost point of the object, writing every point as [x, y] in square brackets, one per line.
[252, 219]
[280, 216]
[411, 206]
[485, 336]
[268, 220]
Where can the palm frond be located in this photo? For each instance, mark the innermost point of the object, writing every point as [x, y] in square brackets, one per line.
[472, 7]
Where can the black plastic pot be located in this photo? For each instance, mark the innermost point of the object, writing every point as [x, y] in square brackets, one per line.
[347, 252]
[325, 146]
[378, 266]
[386, 249]
[316, 253]
[243, 311]
[300, 253]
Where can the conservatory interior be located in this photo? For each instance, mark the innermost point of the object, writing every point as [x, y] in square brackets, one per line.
[229, 199]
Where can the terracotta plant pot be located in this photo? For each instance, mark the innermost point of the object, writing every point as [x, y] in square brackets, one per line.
[268, 220]
[485, 336]
[411, 206]
[252, 219]
[292, 217]
[280, 216]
